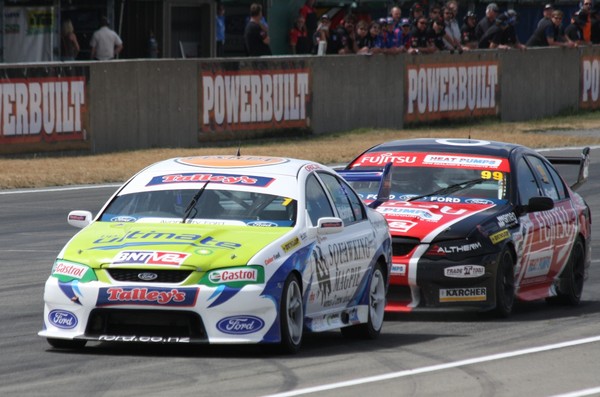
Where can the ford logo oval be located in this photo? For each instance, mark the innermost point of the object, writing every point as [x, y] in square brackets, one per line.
[147, 276]
[240, 325]
[62, 319]
[479, 201]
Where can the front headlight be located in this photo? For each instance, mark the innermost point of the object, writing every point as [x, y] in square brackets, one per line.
[66, 271]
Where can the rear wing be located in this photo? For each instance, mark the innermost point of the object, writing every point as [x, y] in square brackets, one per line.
[583, 161]
[384, 177]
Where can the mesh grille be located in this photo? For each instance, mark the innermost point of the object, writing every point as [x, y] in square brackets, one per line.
[402, 246]
[139, 275]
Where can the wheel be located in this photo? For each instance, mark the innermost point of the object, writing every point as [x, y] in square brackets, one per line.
[372, 328]
[505, 284]
[291, 314]
[66, 343]
[571, 279]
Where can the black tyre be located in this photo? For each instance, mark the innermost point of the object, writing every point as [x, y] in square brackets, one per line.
[372, 328]
[291, 315]
[505, 284]
[66, 343]
[572, 277]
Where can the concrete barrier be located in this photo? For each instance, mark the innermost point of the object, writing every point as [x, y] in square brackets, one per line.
[138, 104]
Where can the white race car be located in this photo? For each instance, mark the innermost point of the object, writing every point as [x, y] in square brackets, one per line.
[222, 249]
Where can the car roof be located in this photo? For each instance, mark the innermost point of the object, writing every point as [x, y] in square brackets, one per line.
[450, 145]
[275, 173]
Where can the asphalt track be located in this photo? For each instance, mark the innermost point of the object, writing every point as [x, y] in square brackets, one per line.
[540, 350]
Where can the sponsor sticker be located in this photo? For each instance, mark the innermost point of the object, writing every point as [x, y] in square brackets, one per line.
[160, 258]
[62, 319]
[70, 270]
[181, 297]
[499, 236]
[240, 325]
[463, 294]
[237, 275]
[464, 271]
[290, 245]
[398, 269]
[225, 179]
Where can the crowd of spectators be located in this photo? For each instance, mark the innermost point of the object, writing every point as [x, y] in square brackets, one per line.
[437, 29]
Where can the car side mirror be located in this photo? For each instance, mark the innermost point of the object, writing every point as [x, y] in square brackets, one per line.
[329, 225]
[80, 219]
[536, 204]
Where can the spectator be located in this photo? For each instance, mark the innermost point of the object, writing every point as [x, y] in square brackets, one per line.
[396, 15]
[106, 43]
[220, 32]
[437, 34]
[416, 12]
[420, 40]
[547, 15]
[545, 36]
[69, 46]
[309, 13]
[405, 34]
[573, 31]
[435, 13]
[585, 13]
[346, 36]
[374, 39]
[362, 31]
[502, 35]
[256, 34]
[491, 12]
[152, 46]
[324, 34]
[390, 37]
[595, 34]
[452, 39]
[467, 31]
[300, 41]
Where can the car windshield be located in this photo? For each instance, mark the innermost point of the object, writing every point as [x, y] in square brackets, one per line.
[431, 183]
[235, 207]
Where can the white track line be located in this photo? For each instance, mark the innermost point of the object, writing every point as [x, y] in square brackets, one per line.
[433, 368]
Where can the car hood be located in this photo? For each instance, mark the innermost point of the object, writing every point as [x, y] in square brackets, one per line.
[155, 245]
[428, 221]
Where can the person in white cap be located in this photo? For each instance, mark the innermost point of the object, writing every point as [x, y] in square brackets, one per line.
[547, 15]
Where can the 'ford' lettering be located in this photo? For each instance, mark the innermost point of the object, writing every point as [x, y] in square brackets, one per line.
[62, 319]
[240, 325]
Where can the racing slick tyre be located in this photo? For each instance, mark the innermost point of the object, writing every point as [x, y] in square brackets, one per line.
[291, 313]
[66, 343]
[572, 277]
[372, 328]
[505, 284]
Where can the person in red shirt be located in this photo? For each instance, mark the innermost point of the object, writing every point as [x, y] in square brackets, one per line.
[300, 41]
[309, 13]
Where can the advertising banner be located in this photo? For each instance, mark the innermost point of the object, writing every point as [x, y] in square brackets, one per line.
[451, 91]
[238, 99]
[590, 82]
[43, 109]
[29, 34]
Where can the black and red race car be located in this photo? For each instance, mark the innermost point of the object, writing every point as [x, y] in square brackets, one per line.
[478, 223]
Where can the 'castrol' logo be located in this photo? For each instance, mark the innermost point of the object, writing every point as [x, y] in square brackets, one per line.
[229, 275]
[240, 325]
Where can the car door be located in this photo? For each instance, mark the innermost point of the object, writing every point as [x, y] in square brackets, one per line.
[547, 235]
[343, 257]
[559, 222]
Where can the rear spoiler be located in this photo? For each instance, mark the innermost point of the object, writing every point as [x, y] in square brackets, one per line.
[384, 177]
[583, 161]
